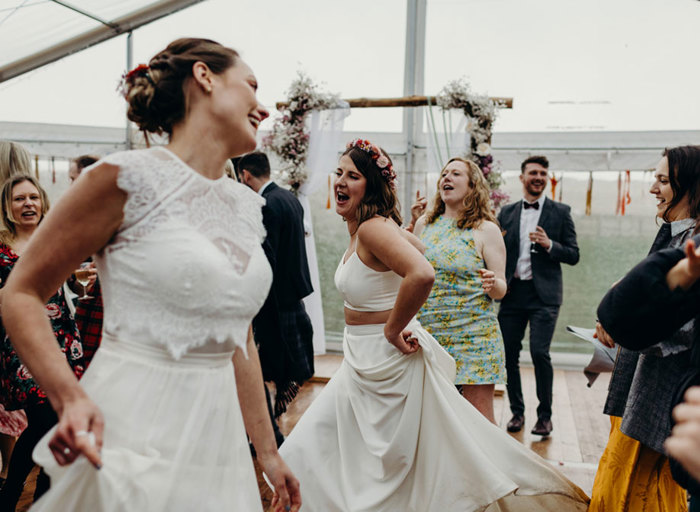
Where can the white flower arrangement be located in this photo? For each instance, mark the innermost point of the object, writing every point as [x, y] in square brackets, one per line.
[481, 112]
[289, 137]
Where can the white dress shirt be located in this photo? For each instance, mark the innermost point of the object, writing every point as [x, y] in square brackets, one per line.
[528, 223]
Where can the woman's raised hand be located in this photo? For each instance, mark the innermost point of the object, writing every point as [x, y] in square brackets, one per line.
[418, 207]
[687, 271]
[79, 431]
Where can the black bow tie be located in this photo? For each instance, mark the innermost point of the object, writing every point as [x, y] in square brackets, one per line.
[534, 205]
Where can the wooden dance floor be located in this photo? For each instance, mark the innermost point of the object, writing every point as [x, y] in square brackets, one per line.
[577, 442]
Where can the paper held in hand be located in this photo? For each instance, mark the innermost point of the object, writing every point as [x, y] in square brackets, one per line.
[603, 359]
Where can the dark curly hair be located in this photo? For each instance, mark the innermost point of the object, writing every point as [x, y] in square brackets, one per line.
[380, 197]
[684, 178]
[156, 97]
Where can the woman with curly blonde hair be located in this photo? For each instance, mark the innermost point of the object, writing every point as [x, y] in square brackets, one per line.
[465, 247]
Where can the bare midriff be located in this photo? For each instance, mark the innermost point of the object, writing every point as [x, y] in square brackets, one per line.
[353, 317]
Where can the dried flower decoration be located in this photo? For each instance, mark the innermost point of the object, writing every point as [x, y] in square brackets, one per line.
[289, 136]
[128, 78]
[481, 112]
[380, 160]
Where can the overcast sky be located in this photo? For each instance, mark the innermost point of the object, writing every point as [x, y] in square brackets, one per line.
[568, 64]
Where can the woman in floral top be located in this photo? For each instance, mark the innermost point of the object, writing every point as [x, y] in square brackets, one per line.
[24, 204]
[465, 247]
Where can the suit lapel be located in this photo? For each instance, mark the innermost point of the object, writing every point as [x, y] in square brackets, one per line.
[547, 207]
[514, 224]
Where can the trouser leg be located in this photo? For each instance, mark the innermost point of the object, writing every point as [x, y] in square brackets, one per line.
[542, 323]
[279, 437]
[513, 322]
[40, 419]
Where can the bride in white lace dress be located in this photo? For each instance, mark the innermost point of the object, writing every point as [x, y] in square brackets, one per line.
[157, 422]
[390, 432]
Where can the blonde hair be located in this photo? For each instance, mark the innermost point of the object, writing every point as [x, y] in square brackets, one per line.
[476, 205]
[14, 159]
[6, 204]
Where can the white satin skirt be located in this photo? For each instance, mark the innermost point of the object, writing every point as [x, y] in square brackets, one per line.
[174, 437]
[390, 432]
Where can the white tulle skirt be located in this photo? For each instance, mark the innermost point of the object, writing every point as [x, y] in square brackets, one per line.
[390, 432]
[174, 437]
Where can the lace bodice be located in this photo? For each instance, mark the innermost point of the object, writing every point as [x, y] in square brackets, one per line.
[186, 267]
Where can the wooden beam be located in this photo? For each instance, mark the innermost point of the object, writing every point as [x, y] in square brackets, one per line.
[406, 101]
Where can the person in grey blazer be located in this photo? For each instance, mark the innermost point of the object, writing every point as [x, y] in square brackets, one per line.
[539, 235]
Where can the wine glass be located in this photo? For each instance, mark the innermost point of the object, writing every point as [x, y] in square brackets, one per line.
[82, 275]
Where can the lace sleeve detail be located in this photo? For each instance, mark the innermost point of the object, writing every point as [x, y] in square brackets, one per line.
[251, 204]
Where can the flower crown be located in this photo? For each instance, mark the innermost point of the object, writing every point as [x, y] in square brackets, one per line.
[128, 77]
[380, 160]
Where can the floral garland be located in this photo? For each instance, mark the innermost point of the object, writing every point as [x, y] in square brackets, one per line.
[289, 136]
[481, 112]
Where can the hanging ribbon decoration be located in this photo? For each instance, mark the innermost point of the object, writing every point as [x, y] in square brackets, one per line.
[53, 170]
[554, 181]
[589, 194]
[626, 197]
[561, 185]
[328, 200]
[36, 166]
[619, 193]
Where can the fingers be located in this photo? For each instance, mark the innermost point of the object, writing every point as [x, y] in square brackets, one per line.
[603, 336]
[417, 194]
[693, 395]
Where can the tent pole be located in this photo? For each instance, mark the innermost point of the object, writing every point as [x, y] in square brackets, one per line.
[414, 69]
[129, 66]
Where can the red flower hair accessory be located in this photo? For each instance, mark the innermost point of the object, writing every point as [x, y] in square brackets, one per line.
[380, 159]
[129, 77]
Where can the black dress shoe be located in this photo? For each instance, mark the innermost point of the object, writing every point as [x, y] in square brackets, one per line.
[516, 423]
[542, 427]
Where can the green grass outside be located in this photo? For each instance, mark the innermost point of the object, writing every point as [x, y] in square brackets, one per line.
[609, 247]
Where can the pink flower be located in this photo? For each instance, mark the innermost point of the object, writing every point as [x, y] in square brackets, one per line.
[382, 161]
[53, 311]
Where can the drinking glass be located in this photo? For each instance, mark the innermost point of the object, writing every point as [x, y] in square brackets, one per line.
[82, 275]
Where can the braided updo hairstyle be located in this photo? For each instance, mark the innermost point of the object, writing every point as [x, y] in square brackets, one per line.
[156, 95]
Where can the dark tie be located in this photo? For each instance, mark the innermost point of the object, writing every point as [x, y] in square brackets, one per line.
[534, 205]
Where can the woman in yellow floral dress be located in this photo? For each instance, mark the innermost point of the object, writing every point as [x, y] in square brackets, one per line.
[465, 247]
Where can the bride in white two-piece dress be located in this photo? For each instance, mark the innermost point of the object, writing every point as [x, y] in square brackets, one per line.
[390, 432]
[160, 413]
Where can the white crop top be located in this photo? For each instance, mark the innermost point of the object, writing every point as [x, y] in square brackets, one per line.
[186, 267]
[365, 289]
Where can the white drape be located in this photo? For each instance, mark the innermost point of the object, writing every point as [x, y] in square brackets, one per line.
[447, 136]
[325, 142]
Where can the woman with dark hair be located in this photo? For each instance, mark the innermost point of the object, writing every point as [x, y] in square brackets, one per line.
[465, 247]
[24, 205]
[390, 431]
[161, 415]
[634, 471]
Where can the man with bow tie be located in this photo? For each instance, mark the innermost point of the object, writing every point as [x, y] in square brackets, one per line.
[539, 235]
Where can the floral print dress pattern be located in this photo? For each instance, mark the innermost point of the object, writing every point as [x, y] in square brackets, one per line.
[458, 313]
[18, 389]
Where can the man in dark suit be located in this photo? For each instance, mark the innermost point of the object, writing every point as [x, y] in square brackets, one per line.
[539, 236]
[282, 328]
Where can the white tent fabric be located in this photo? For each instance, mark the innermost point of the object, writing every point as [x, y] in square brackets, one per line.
[326, 132]
[36, 32]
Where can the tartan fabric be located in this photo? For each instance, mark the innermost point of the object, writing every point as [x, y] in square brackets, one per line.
[285, 344]
[88, 318]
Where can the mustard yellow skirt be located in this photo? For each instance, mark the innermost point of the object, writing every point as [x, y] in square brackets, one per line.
[632, 477]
